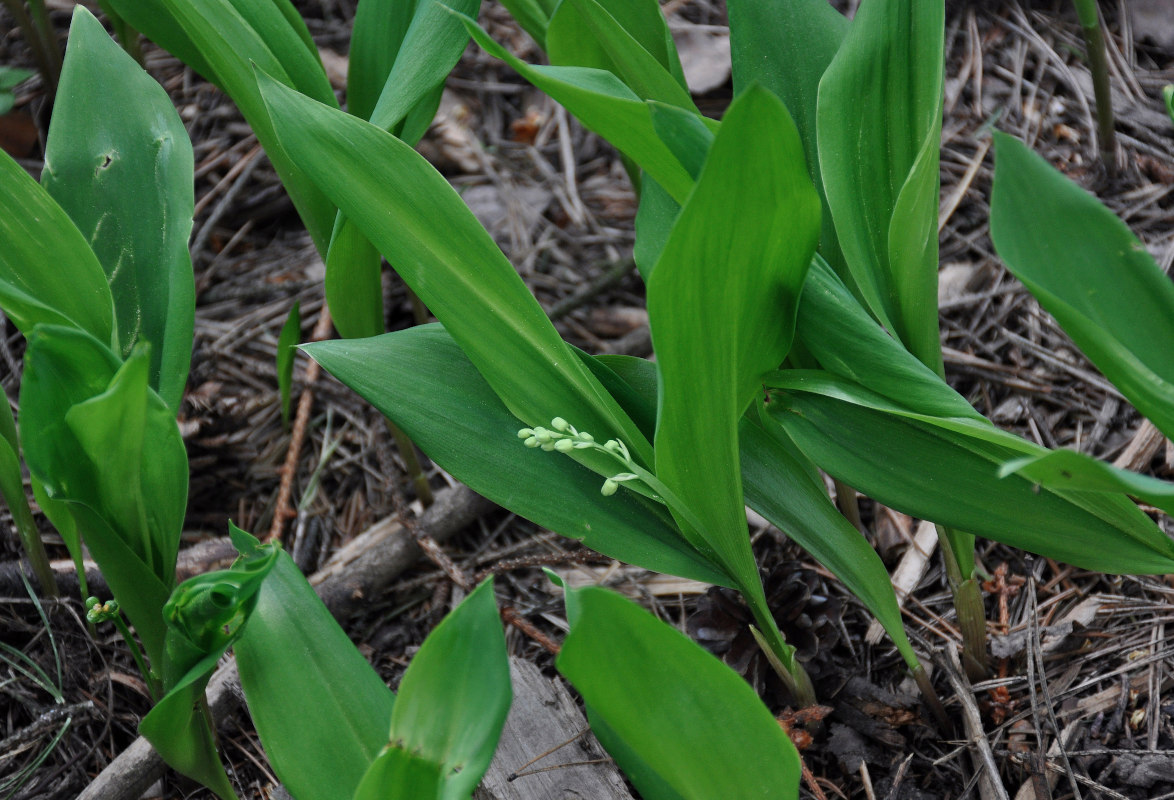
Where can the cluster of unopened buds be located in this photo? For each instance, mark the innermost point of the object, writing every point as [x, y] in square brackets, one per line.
[97, 611]
[564, 437]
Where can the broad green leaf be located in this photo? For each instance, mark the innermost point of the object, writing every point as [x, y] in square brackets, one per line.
[688, 135]
[406, 774]
[721, 303]
[452, 702]
[48, 273]
[780, 487]
[379, 28]
[1085, 267]
[786, 46]
[322, 716]
[879, 110]
[233, 36]
[1067, 469]
[119, 162]
[204, 616]
[783, 486]
[429, 388]
[533, 16]
[605, 105]
[103, 443]
[431, 47]
[837, 331]
[654, 221]
[409, 58]
[682, 715]
[946, 470]
[287, 342]
[154, 21]
[583, 33]
[641, 20]
[451, 262]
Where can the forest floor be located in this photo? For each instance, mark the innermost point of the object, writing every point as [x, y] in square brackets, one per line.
[1079, 705]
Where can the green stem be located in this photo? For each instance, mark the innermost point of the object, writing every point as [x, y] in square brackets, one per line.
[34, 548]
[1098, 64]
[784, 663]
[407, 451]
[44, 63]
[44, 32]
[137, 654]
[969, 607]
[848, 503]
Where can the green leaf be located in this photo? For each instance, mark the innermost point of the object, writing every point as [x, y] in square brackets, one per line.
[452, 705]
[101, 441]
[946, 470]
[407, 774]
[429, 388]
[378, 32]
[232, 36]
[786, 46]
[431, 47]
[1067, 469]
[322, 716]
[1093, 275]
[879, 111]
[287, 342]
[451, 262]
[152, 18]
[10, 78]
[48, 273]
[533, 16]
[681, 715]
[583, 33]
[605, 105]
[780, 487]
[846, 341]
[721, 303]
[783, 486]
[119, 162]
[204, 616]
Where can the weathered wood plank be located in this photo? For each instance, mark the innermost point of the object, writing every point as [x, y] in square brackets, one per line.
[543, 716]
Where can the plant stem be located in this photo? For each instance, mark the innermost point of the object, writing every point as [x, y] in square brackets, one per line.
[137, 654]
[794, 677]
[848, 503]
[407, 451]
[969, 607]
[45, 64]
[34, 548]
[1094, 41]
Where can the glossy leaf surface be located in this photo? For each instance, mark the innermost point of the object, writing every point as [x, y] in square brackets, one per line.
[946, 470]
[785, 46]
[451, 707]
[721, 304]
[323, 717]
[204, 615]
[681, 715]
[605, 105]
[454, 267]
[1091, 273]
[119, 162]
[878, 134]
[1067, 469]
[48, 273]
[105, 445]
[430, 389]
[625, 38]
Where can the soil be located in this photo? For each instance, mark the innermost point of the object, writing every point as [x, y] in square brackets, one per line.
[1078, 706]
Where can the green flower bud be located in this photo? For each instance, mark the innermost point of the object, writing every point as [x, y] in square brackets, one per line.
[525, 433]
[564, 445]
[543, 435]
[532, 442]
[609, 488]
[586, 437]
[560, 424]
